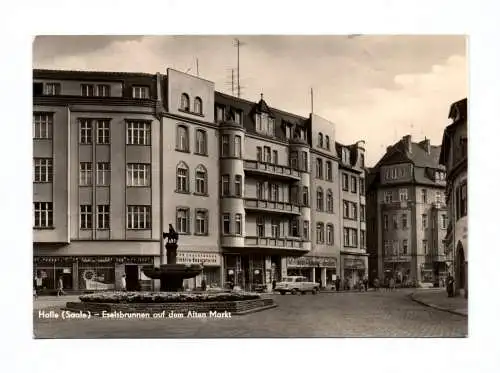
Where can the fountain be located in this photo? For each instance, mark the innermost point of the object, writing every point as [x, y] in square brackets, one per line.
[171, 275]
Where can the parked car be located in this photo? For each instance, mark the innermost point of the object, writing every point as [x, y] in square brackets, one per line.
[296, 285]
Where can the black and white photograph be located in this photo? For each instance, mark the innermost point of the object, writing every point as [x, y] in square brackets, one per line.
[250, 186]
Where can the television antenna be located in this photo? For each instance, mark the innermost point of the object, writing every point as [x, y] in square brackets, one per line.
[238, 43]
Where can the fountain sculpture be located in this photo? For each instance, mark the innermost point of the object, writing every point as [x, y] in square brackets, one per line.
[171, 275]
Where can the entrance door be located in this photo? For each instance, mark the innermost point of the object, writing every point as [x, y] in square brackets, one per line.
[132, 277]
[317, 276]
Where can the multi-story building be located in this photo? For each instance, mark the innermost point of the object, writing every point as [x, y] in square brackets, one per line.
[407, 217]
[454, 158]
[119, 156]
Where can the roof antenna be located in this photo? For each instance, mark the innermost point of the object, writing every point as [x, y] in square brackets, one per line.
[238, 44]
[312, 101]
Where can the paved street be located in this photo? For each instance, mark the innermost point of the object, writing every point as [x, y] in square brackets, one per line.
[372, 314]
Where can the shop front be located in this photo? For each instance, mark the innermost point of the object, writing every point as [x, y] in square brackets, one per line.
[91, 273]
[249, 271]
[353, 269]
[398, 268]
[320, 269]
[211, 263]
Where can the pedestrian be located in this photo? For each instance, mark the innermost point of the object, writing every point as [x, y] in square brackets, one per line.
[392, 284]
[376, 283]
[365, 282]
[203, 285]
[274, 284]
[60, 286]
[35, 288]
[124, 283]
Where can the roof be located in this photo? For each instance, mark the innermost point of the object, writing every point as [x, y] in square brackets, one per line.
[418, 155]
[79, 74]
[458, 112]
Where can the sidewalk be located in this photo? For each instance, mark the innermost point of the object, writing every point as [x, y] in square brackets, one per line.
[51, 302]
[438, 299]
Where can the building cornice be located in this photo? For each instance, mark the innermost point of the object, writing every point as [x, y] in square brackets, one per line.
[97, 101]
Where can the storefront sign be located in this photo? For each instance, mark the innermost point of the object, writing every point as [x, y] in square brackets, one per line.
[94, 259]
[354, 264]
[207, 259]
[312, 261]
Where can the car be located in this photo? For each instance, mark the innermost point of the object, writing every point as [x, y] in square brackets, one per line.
[296, 285]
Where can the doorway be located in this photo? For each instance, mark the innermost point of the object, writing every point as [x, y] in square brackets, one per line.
[461, 278]
[132, 277]
[317, 277]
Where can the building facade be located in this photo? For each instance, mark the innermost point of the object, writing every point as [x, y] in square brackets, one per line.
[119, 156]
[407, 216]
[454, 157]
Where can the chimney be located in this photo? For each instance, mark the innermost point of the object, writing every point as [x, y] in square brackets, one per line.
[427, 145]
[407, 142]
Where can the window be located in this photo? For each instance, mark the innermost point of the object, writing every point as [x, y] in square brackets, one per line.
[85, 216]
[329, 173]
[183, 138]
[363, 239]
[270, 126]
[388, 197]
[362, 212]
[386, 222]
[319, 168]
[42, 214]
[237, 224]
[140, 92]
[404, 221]
[305, 163]
[394, 222]
[201, 142]
[327, 142]
[346, 209]
[237, 116]
[219, 113]
[261, 231]
[320, 140]
[354, 209]
[275, 228]
[424, 247]
[439, 197]
[319, 199]
[201, 222]
[237, 146]
[237, 186]
[395, 247]
[138, 133]
[182, 220]
[198, 106]
[201, 180]
[225, 146]
[305, 196]
[354, 183]
[275, 157]
[43, 170]
[85, 131]
[267, 154]
[424, 221]
[275, 190]
[182, 178]
[329, 234]
[305, 233]
[444, 221]
[362, 186]
[403, 194]
[259, 153]
[102, 90]
[424, 195]
[461, 201]
[138, 174]
[103, 131]
[258, 123]
[405, 247]
[102, 216]
[294, 228]
[345, 155]
[225, 185]
[103, 173]
[87, 90]
[42, 125]
[346, 236]
[354, 238]
[320, 233]
[260, 190]
[85, 173]
[52, 89]
[362, 161]
[329, 201]
[387, 248]
[345, 182]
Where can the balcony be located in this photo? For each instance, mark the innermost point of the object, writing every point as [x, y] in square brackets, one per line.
[254, 204]
[271, 170]
[290, 244]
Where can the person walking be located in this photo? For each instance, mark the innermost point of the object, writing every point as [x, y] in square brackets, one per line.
[60, 287]
[124, 283]
[35, 288]
[376, 283]
[392, 284]
[365, 283]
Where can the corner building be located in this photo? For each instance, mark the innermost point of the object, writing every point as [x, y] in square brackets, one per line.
[454, 157]
[119, 156]
[407, 215]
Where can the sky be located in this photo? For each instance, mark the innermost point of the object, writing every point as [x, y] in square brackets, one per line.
[374, 88]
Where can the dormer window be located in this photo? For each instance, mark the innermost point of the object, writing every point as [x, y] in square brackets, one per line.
[320, 140]
[288, 132]
[219, 113]
[237, 116]
[345, 155]
[327, 142]
[52, 89]
[184, 102]
[140, 92]
[198, 108]
[264, 124]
